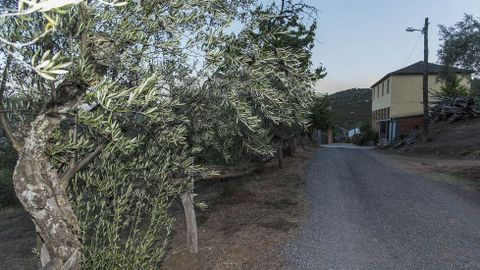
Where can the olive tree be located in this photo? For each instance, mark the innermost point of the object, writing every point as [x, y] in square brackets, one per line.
[95, 85]
[461, 44]
[114, 108]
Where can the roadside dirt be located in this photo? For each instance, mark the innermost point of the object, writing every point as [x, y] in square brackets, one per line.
[17, 240]
[463, 172]
[247, 220]
[460, 140]
[452, 153]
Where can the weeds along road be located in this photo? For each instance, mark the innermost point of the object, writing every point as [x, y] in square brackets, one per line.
[365, 213]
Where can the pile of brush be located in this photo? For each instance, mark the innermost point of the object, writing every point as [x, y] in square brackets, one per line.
[454, 109]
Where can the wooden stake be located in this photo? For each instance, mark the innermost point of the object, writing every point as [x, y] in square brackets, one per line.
[190, 221]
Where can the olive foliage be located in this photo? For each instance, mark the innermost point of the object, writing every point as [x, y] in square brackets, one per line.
[461, 44]
[137, 98]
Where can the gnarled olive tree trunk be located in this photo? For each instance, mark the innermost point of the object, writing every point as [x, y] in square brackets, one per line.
[44, 197]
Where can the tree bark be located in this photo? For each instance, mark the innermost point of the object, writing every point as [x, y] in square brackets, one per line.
[190, 221]
[39, 189]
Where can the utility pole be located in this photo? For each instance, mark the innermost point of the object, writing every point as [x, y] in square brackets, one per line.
[426, 118]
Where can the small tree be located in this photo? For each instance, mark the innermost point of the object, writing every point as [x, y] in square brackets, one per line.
[452, 88]
[294, 24]
[321, 114]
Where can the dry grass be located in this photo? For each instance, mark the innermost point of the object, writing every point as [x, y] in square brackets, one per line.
[247, 221]
[459, 140]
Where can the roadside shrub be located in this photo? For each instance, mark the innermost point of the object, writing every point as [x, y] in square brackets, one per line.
[451, 89]
[367, 136]
[356, 138]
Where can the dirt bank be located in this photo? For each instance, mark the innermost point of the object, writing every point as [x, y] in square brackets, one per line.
[460, 140]
[463, 172]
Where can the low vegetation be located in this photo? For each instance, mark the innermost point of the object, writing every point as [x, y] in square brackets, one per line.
[367, 136]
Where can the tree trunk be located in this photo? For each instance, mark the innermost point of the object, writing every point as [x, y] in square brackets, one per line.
[280, 154]
[190, 221]
[38, 187]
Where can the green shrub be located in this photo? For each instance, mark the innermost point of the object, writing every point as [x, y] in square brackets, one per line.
[366, 137]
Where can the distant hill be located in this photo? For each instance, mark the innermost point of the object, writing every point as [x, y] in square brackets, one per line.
[351, 108]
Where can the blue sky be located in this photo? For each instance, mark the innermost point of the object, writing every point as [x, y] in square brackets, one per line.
[359, 41]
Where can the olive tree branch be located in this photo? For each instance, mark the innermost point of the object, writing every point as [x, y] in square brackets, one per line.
[77, 166]
[3, 120]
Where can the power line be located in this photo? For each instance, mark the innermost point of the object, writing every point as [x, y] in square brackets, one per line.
[414, 47]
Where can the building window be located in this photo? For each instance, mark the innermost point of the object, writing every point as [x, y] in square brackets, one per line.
[378, 91]
[388, 86]
[388, 111]
[383, 89]
[373, 93]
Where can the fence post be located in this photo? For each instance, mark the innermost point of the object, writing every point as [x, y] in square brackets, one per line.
[330, 136]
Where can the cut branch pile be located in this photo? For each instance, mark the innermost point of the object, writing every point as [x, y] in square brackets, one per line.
[407, 140]
[454, 109]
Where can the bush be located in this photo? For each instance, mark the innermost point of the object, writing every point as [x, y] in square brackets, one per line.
[366, 137]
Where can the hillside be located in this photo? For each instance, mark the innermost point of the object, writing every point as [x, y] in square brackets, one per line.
[351, 107]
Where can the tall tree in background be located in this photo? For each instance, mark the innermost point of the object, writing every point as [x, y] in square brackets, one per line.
[461, 47]
[289, 19]
[461, 44]
[321, 114]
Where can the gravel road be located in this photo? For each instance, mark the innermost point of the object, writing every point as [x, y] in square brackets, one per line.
[365, 213]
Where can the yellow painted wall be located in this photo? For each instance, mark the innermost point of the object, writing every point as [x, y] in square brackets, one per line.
[382, 101]
[405, 95]
[405, 98]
